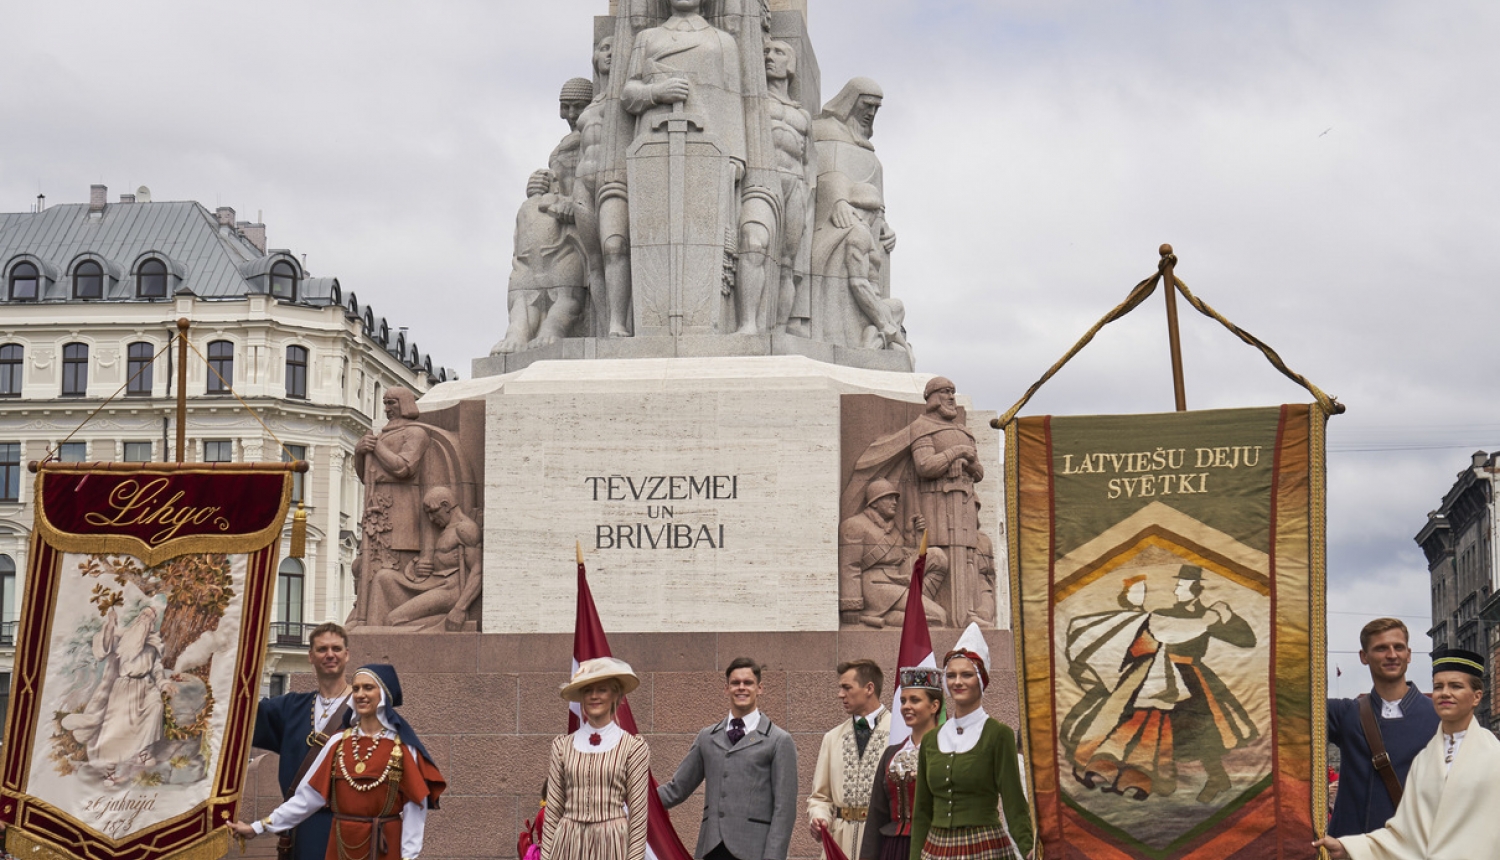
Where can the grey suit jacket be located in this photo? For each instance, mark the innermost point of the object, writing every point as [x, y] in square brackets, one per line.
[750, 802]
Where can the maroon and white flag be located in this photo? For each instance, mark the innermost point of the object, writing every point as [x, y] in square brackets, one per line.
[662, 841]
[916, 642]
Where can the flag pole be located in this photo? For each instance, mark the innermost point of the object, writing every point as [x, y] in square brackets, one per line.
[1169, 280]
[182, 345]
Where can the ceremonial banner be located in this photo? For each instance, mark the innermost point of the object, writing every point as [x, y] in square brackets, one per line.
[1167, 578]
[138, 659]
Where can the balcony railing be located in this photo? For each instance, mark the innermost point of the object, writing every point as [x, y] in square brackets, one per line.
[289, 633]
[8, 632]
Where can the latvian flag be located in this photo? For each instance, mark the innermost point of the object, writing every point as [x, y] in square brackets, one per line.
[916, 642]
[662, 841]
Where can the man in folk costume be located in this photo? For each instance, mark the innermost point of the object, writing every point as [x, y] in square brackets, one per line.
[1403, 722]
[376, 777]
[849, 758]
[295, 726]
[1447, 811]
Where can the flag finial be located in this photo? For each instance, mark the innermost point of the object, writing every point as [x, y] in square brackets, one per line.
[923, 550]
[578, 548]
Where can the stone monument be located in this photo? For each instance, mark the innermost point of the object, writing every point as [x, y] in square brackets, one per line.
[705, 383]
[697, 209]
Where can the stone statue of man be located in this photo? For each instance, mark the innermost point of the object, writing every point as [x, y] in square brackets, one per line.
[875, 559]
[774, 220]
[609, 201]
[852, 241]
[552, 262]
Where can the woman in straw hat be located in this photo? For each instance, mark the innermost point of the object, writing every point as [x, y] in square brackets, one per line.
[970, 803]
[598, 776]
[375, 775]
[888, 829]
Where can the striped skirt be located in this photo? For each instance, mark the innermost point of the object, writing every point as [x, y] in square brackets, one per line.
[969, 843]
[591, 840]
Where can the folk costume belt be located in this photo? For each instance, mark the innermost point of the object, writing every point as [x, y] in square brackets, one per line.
[852, 813]
[378, 844]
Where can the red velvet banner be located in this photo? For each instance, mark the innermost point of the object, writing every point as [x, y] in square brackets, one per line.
[138, 658]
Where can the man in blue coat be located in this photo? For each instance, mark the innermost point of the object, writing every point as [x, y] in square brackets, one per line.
[1406, 720]
[296, 725]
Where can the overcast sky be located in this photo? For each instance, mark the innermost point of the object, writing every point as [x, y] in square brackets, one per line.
[1326, 172]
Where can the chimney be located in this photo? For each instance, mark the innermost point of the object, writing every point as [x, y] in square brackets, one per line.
[127, 198]
[97, 193]
[226, 216]
[255, 234]
[1478, 458]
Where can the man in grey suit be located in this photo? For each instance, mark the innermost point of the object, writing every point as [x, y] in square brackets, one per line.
[750, 765]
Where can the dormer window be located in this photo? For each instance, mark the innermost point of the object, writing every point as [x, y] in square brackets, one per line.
[25, 284]
[88, 280]
[284, 281]
[151, 280]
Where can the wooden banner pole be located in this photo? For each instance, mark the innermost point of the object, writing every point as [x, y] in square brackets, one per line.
[1168, 262]
[182, 346]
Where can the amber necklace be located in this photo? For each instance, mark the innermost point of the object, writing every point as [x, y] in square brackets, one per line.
[359, 763]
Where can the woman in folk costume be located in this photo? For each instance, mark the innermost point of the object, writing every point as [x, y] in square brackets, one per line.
[1448, 809]
[968, 773]
[888, 830]
[375, 776]
[598, 778]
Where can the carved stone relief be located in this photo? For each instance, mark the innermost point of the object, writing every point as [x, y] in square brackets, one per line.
[418, 565]
[910, 467]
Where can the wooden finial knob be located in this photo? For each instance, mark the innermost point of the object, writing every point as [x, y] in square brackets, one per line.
[182, 324]
[1165, 250]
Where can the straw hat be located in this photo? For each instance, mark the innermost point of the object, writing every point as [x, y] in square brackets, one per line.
[600, 669]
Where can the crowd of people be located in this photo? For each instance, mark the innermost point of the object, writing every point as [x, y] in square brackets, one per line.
[947, 783]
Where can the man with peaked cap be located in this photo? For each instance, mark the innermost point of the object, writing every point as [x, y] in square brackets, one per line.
[849, 758]
[1447, 811]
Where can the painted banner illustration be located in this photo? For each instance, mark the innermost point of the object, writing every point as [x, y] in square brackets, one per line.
[1168, 585]
[138, 658]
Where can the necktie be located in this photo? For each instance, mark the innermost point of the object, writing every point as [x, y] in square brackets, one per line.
[861, 733]
[736, 730]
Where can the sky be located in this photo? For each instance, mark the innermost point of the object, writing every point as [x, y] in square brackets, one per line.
[1325, 172]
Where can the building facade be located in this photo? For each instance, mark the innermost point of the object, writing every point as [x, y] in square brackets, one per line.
[89, 299]
[1459, 542]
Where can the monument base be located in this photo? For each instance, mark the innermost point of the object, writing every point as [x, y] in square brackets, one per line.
[486, 707]
[695, 346]
[704, 492]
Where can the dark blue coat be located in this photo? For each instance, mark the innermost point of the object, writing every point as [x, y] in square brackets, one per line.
[1363, 803]
[282, 725]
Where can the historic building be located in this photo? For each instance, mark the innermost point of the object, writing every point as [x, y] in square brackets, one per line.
[89, 298]
[1459, 540]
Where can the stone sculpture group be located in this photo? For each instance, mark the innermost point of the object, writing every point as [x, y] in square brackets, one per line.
[696, 194]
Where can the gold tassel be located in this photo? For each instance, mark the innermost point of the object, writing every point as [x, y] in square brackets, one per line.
[299, 533]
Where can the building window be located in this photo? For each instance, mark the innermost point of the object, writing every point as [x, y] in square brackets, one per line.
[291, 454]
[88, 281]
[12, 357]
[25, 284]
[151, 280]
[220, 367]
[10, 471]
[284, 281]
[72, 452]
[138, 369]
[287, 613]
[277, 686]
[218, 451]
[10, 607]
[137, 452]
[296, 371]
[75, 368]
